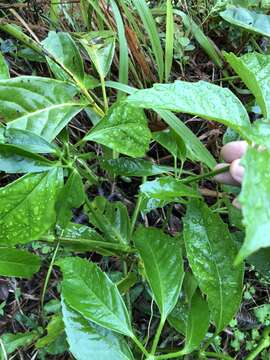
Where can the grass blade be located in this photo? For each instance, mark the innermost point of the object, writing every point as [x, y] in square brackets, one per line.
[169, 40]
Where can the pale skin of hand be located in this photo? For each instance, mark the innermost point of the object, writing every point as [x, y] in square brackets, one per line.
[232, 153]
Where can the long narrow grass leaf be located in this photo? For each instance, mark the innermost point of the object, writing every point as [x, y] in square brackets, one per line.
[169, 40]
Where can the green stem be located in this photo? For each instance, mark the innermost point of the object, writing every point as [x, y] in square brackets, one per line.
[264, 344]
[157, 336]
[136, 211]
[217, 356]
[171, 355]
[140, 346]
[105, 99]
[48, 275]
[192, 179]
[125, 271]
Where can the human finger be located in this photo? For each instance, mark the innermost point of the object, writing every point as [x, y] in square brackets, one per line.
[233, 150]
[226, 177]
[237, 171]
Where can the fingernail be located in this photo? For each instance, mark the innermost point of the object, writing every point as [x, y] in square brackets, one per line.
[237, 170]
[236, 204]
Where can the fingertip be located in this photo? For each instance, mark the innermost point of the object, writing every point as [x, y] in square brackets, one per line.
[233, 150]
[224, 178]
[237, 171]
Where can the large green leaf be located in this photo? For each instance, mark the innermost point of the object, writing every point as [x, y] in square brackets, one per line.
[134, 167]
[70, 197]
[100, 46]
[18, 263]
[248, 20]
[90, 292]
[123, 129]
[211, 253]
[90, 341]
[163, 264]
[41, 105]
[27, 206]
[64, 50]
[4, 70]
[29, 141]
[167, 188]
[255, 202]
[203, 99]
[14, 159]
[254, 71]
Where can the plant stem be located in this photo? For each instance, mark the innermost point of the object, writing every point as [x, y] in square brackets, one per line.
[172, 355]
[217, 356]
[105, 99]
[48, 275]
[192, 179]
[157, 336]
[136, 211]
[264, 344]
[140, 346]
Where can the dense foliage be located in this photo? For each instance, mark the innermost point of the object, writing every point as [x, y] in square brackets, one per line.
[101, 182]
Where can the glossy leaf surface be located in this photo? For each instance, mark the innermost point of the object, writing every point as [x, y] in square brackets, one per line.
[254, 71]
[100, 47]
[172, 142]
[123, 129]
[64, 50]
[18, 263]
[255, 204]
[90, 292]
[40, 105]
[27, 207]
[248, 20]
[163, 265]
[211, 253]
[125, 166]
[14, 159]
[166, 188]
[203, 99]
[88, 340]
[4, 70]
[178, 318]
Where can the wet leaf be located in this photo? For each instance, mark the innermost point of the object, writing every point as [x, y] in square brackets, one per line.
[64, 50]
[248, 20]
[167, 188]
[148, 204]
[100, 46]
[162, 259]
[178, 318]
[14, 159]
[71, 196]
[18, 263]
[172, 142]
[27, 207]
[54, 329]
[88, 340]
[88, 290]
[41, 105]
[4, 70]
[254, 71]
[124, 129]
[29, 141]
[211, 252]
[203, 99]
[134, 167]
[255, 204]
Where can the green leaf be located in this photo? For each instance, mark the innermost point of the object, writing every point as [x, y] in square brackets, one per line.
[29, 141]
[125, 166]
[254, 71]
[124, 129]
[54, 329]
[64, 50]
[248, 20]
[4, 70]
[203, 99]
[81, 238]
[40, 105]
[14, 159]
[100, 46]
[260, 133]
[90, 341]
[211, 253]
[71, 196]
[169, 39]
[149, 204]
[111, 218]
[13, 342]
[18, 263]
[90, 292]
[162, 259]
[27, 207]
[195, 149]
[167, 188]
[172, 142]
[255, 204]
[197, 323]
[178, 318]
